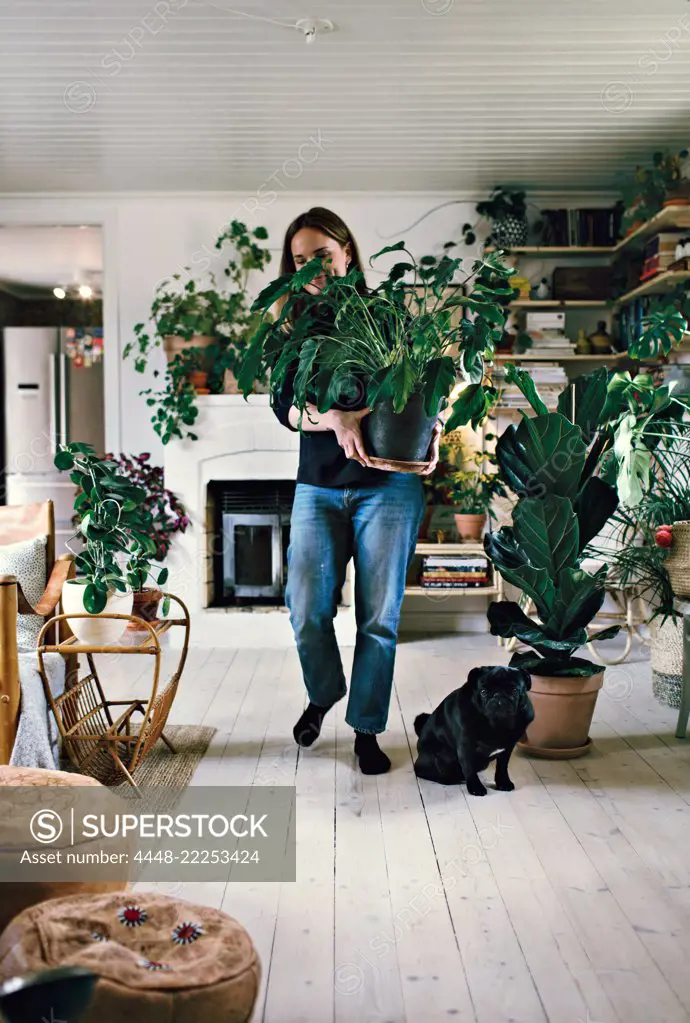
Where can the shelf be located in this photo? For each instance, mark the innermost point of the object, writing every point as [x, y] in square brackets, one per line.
[561, 358]
[662, 282]
[559, 250]
[455, 591]
[554, 303]
[666, 219]
[449, 548]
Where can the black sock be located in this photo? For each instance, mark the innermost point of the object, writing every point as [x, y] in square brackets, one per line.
[308, 728]
[372, 759]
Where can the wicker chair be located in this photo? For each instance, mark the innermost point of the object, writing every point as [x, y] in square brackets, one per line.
[17, 523]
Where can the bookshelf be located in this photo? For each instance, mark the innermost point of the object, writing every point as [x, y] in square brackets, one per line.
[670, 218]
[558, 250]
[495, 589]
[655, 286]
[555, 303]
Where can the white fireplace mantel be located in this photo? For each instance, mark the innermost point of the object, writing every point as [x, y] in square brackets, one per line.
[238, 439]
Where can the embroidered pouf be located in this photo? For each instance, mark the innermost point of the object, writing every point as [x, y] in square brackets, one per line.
[17, 895]
[159, 959]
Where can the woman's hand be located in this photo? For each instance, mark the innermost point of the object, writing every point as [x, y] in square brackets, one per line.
[347, 428]
[434, 449]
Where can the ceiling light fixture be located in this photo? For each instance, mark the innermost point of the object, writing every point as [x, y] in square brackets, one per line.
[311, 27]
[85, 291]
[59, 292]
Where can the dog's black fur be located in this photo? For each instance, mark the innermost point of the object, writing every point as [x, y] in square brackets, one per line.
[471, 725]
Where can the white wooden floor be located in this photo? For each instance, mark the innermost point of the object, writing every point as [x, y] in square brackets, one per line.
[567, 900]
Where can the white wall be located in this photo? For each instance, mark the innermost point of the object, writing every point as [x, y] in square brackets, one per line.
[147, 238]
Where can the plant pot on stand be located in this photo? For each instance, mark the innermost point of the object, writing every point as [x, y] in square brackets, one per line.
[470, 527]
[174, 345]
[95, 630]
[145, 606]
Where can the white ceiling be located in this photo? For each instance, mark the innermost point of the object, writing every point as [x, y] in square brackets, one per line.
[109, 95]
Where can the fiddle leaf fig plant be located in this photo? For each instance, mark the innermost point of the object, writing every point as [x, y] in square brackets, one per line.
[412, 335]
[114, 524]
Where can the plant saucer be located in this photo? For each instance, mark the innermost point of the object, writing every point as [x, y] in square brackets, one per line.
[392, 465]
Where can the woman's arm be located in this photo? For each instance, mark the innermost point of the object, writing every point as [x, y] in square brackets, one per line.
[345, 425]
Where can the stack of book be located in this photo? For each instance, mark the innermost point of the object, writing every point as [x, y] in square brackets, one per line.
[659, 254]
[550, 379]
[454, 571]
[548, 335]
[589, 227]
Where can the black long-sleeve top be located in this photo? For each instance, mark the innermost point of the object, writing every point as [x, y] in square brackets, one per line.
[322, 462]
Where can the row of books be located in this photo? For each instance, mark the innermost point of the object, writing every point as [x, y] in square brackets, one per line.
[549, 377]
[591, 227]
[454, 571]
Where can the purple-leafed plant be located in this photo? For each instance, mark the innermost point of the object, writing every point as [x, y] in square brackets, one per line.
[167, 514]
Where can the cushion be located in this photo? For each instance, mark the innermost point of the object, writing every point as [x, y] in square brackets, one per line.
[158, 958]
[17, 896]
[27, 560]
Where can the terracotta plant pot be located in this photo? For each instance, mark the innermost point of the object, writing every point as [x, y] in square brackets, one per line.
[198, 378]
[470, 527]
[174, 345]
[563, 711]
[146, 603]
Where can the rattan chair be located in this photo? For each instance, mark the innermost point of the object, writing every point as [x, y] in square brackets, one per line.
[18, 523]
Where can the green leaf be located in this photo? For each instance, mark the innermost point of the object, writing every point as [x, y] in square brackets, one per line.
[522, 380]
[163, 577]
[544, 454]
[512, 562]
[634, 463]
[272, 292]
[95, 599]
[507, 619]
[595, 504]
[547, 531]
[589, 393]
[472, 405]
[402, 383]
[63, 460]
[398, 247]
[579, 598]
[439, 380]
[559, 667]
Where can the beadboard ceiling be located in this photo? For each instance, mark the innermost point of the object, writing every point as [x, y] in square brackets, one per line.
[121, 95]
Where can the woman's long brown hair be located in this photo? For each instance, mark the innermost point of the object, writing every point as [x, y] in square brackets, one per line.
[320, 219]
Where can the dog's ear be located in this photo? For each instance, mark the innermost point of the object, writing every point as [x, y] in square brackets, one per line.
[527, 678]
[476, 675]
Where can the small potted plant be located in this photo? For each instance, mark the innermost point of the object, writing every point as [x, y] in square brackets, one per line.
[166, 517]
[388, 348]
[472, 492]
[507, 211]
[113, 525]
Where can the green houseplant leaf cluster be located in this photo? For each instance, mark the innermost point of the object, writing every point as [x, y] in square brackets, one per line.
[115, 525]
[561, 506]
[186, 306]
[410, 335]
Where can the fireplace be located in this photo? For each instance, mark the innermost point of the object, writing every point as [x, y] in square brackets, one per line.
[249, 534]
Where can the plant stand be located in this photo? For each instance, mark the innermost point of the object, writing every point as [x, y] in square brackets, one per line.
[99, 741]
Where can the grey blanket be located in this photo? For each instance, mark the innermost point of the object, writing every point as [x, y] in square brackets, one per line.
[36, 744]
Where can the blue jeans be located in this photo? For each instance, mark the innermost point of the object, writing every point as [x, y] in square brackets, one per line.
[377, 526]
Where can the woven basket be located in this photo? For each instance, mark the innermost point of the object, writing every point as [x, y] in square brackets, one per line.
[678, 562]
[666, 657]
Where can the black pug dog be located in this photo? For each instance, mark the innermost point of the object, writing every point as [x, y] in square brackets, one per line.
[472, 725]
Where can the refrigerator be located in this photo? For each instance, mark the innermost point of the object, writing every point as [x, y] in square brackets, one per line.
[52, 394]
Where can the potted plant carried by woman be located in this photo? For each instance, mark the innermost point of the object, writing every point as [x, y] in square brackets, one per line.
[113, 526]
[401, 346]
[165, 516]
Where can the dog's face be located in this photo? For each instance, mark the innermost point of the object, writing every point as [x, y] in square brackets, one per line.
[499, 693]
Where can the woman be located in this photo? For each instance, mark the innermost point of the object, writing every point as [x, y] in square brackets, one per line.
[344, 507]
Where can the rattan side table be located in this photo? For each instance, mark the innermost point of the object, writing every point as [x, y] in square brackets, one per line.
[99, 741]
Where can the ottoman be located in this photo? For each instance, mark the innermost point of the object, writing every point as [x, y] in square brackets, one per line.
[16, 896]
[158, 959]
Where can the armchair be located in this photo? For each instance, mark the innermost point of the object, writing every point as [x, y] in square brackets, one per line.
[18, 523]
